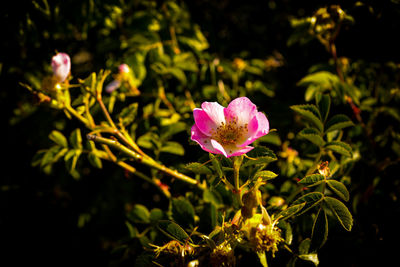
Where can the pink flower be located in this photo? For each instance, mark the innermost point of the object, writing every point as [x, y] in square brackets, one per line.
[117, 82]
[228, 131]
[123, 68]
[61, 65]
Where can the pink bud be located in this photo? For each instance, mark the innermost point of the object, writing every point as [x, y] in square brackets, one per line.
[61, 64]
[123, 68]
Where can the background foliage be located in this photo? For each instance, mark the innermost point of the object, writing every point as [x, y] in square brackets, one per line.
[260, 50]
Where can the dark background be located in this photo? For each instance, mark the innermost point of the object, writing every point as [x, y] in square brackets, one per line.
[39, 213]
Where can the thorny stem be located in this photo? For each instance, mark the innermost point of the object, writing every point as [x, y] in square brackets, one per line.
[145, 160]
[117, 132]
[82, 119]
[132, 170]
[142, 157]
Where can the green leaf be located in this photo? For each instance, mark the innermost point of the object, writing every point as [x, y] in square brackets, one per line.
[217, 165]
[313, 257]
[311, 180]
[265, 175]
[339, 189]
[58, 138]
[149, 140]
[48, 156]
[178, 74]
[198, 42]
[128, 114]
[323, 79]
[304, 247]
[94, 160]
[173, 129]
[311, 113]
[258, 161]
[312, 135]
[139, 214]
[71, 159]
[311, 200]
[340, 211]
[339, 147]
[323, 104]
[76, 139]
[185, 61]
[173, 148]
[291, 211]
[183, 212]
[133, 231]
[173, 230]
[213, 197]
[259, 155]
[338, 122]
[156, 215]
[319, 232]
[198, 168]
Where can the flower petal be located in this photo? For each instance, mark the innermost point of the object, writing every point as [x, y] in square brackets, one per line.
[202, 139]
[218, 147]
[61, 65]
[241, 151]
[209, 117]
[115, 84]
[242, 109]
[215, 111]
[230, 151]
[123, 68]
[258, 126]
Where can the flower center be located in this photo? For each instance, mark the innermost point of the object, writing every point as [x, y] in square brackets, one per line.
[229, 133]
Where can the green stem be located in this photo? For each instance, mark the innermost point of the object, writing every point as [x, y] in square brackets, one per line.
[145, 160]
[237, 162]
[78, 116]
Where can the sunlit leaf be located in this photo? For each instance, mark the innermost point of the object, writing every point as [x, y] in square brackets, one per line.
[338, 122]
[291, 211]
[76, 139]
[95, 161]
[312, 135]
[324, 104]
[128, 114]
[311, 113]
[311, 180]
[58, 138]
[313, 257]
[173, 148]
[311, 200]
[340, 211]
[339, 147]
[339, 189]
[265, 175]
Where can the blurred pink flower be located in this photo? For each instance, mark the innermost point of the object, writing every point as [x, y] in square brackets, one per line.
[228, 131]
[117, 82]
[123, 68]
[61, 64]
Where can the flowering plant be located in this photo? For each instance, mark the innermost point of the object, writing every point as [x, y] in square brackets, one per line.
[234, 201]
